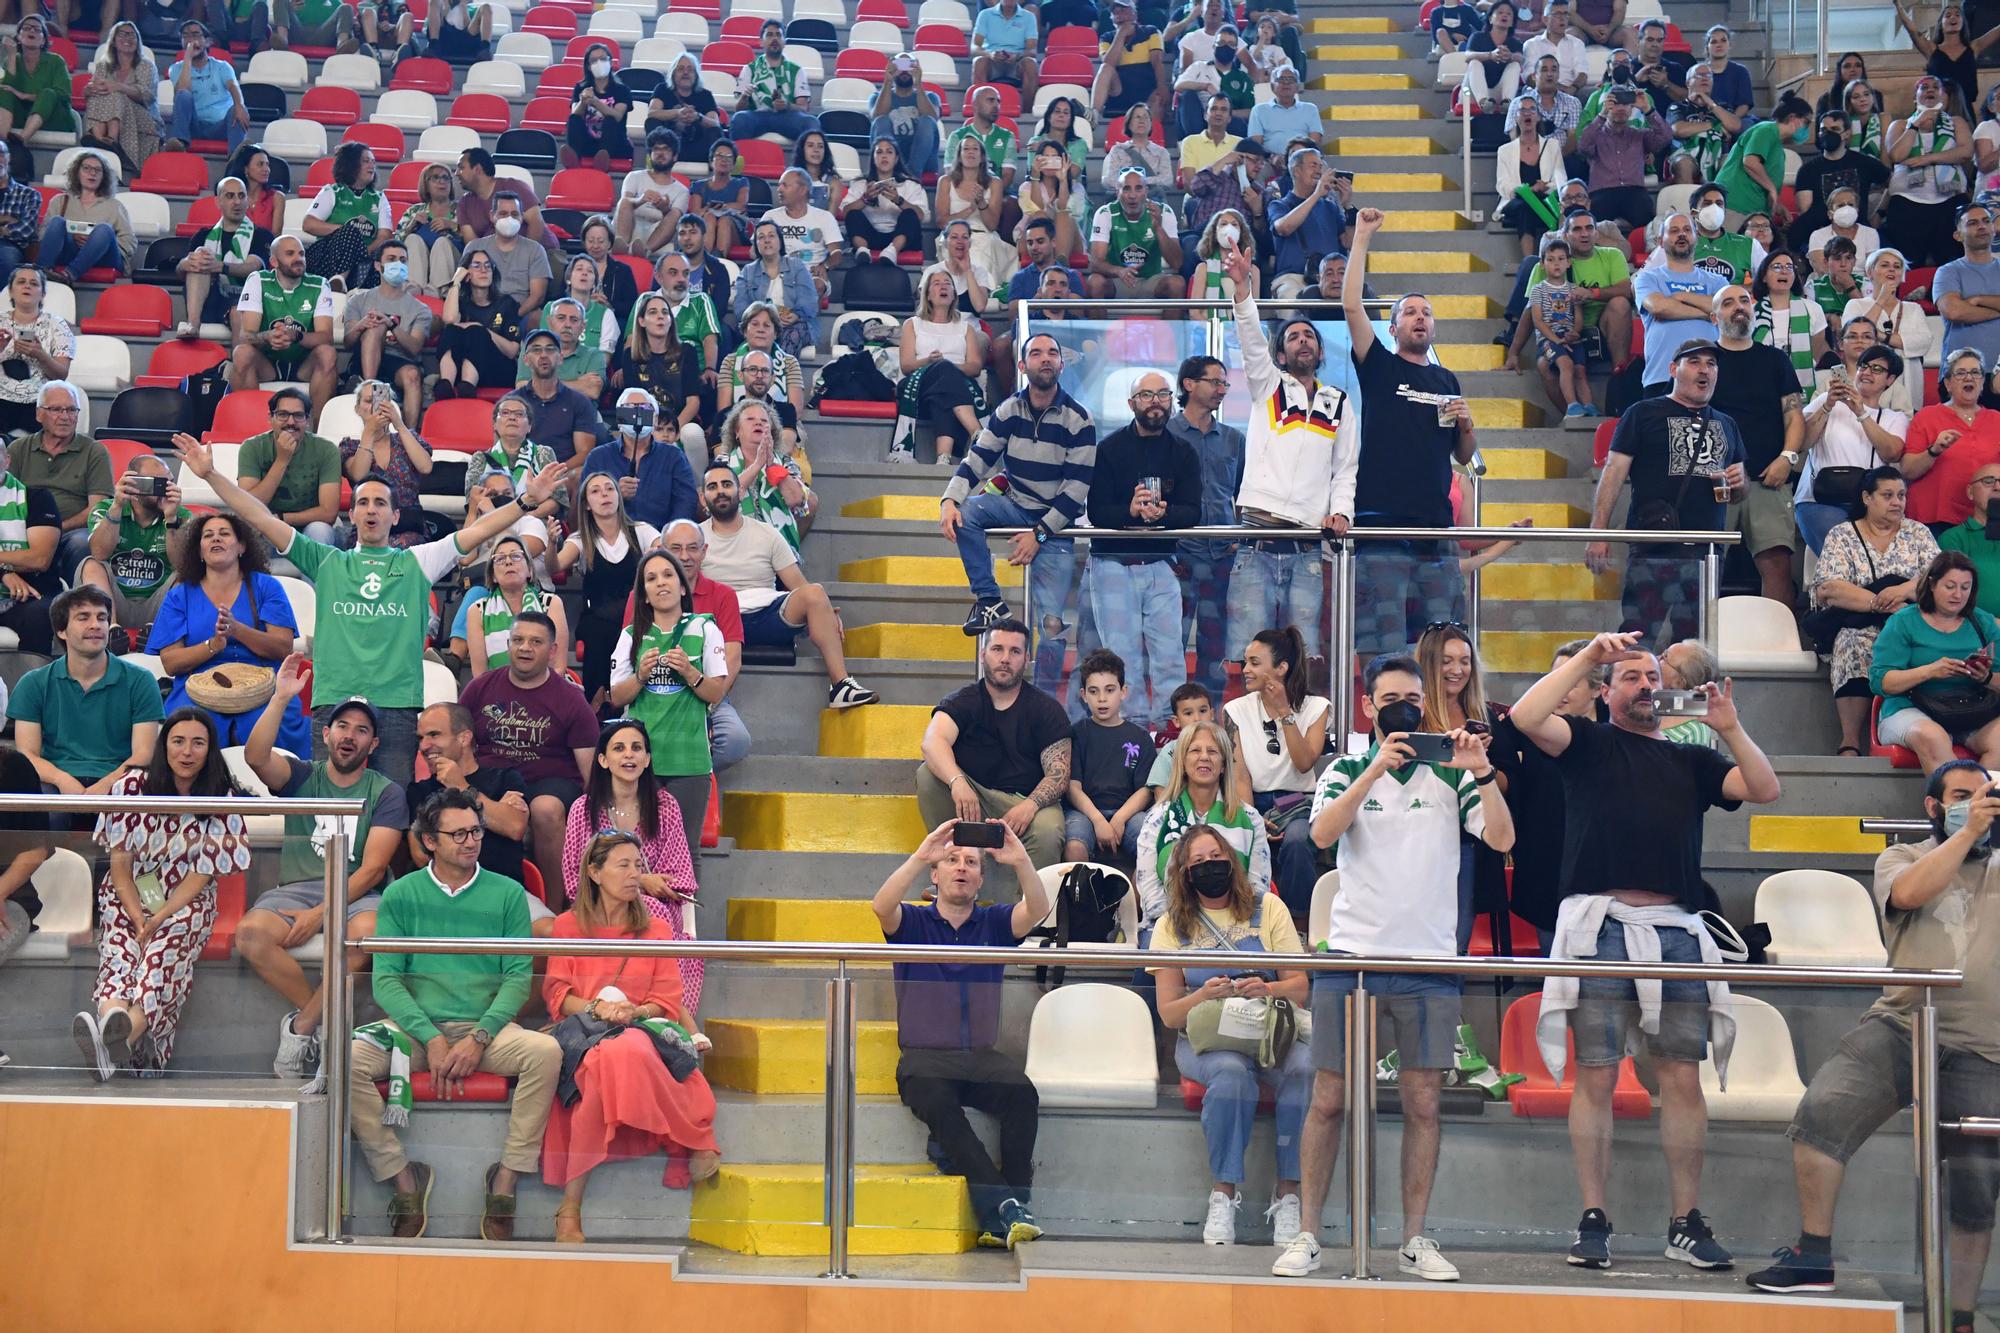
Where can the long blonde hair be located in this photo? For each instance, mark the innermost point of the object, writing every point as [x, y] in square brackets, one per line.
[590, 907]
[1430, 658]
[1183, 904]
[1178, 782]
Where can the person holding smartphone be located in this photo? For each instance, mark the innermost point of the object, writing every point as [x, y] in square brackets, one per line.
[948, 1015]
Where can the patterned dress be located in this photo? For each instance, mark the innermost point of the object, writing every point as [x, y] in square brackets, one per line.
[1846, 556]
[158, 975]
[666, 854]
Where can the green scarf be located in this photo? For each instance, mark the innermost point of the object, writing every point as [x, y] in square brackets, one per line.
[1708, 148]
[1866, 137]
[1179, 816]
[388, 1037]
[763, 501]
[1949, 179]
[773, 84]
[1797, 342]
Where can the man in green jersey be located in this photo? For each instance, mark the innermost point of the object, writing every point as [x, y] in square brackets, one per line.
[373, 602]
[1135, 246]
[313, 23]
[999, 142]
[773, 94]
[128, 545]
[284, 326]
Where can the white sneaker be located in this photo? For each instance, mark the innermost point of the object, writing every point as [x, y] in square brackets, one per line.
[1420, 1258]
[90, 1043]
[184, 331]
[1283, 1215]
[1299, 1258]
[297, 1055]
[1220, 1228]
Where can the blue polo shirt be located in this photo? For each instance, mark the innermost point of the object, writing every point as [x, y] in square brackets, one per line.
[1002, 33]
[86, 733]
[1275, 126]
[666, 481]
[1319, 234]
[950, 1006]
[209, 85]
[1027, 282]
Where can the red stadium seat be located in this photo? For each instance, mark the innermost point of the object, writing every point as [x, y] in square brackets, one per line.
[1600, 443]
[552, 21]
[131, 311]
[583, 41]
[745, 28]
[79, 88]
[124, 451]
[708, 9]
[583, 188]
[763, 159]
[319, 175]
[1070, 67]
[486, 112]
[883, 11]
[231, 893]
[387, 141]
[407, 176]
[175, 360]
[1074, 37]
[460, 425]
[729, 57]
[1193, 1094]
[857, 409]
[711, 824]
[942, 37]
[1920, 279]
[425, 75]
[1521, 938]
[241, 414]
[1677, 41]
[547, 113]
[1010, 102]
[858, 63]
[642, 269]
[559, 79]
[1114, 133]
[1636, 245]
[1424, 13]
[531, 880]
[180, 175]
[336, 107]
[1537, 1096]
[1900, 756]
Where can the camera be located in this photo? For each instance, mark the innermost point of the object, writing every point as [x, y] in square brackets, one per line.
[152, 487]
[1680, 703]
[637, 417]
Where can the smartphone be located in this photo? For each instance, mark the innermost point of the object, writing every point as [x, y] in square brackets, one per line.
[149, 486]
[1429, 747]
[1981, 660]
[1680, 703]
[976, 833]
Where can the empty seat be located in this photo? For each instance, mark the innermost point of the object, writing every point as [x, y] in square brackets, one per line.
[584, 188]
[891, 12]
[1764, 1079]
[526, 147]
[842, 93]
[131, 310]
[440, 686]
[425, 74]
[444, 143]
[1537, 1096]
[1128, 906]
[941, 38]
[551, 21]
[195, 491]
[406, 109]
[241, 414]
[337, 107]
[175, 360]
[872, 35]
[482, 112]
[1760, 637]
[180, 175]
[815, 34]
[945, 11]
[830, 11]
[102, 365]
[691, 29]
[293, 139]
[361, 73]
[280, 69]
[305, 610]
[150, 216]
[1319, 915]
[1091, 1045]
[616, 25]
[151, 416]
[532, 51]
[938, 68]
[657, 52]
[460, 425]
[547, 114]
[499, 77]
[1819, 918]
[1451, 69]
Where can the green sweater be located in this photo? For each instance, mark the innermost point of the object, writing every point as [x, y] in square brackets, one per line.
[420, 991]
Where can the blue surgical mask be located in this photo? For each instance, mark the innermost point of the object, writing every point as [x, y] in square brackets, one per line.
[1955, 816]
[395, 273]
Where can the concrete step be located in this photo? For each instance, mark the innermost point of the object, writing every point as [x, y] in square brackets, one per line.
[923, 571]
[920, 642]
[880, 731]
[822, 821]
[833, 921]
[858, 775]
[768, 1055]
[778, 1210]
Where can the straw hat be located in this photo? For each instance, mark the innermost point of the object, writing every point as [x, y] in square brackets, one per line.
[234, 688]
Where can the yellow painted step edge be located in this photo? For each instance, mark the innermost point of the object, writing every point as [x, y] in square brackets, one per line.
[1351, 27]
[773, 1210]
[1823, 834]
[884, 731]
[803, 821]
[780, 1057]
[926, 571]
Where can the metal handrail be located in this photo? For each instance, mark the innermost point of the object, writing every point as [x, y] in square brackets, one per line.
[181, 805]
[1246, 532]
[1893, 827]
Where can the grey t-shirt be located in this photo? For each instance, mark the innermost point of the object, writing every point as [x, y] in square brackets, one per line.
[1960, 928]
[527, 262]
[414, 313]
[1969, 279]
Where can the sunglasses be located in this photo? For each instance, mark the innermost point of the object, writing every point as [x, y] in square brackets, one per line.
[1271, 742]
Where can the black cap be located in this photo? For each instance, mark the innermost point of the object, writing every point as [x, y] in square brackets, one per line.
[1250, 148]
[352, 702]
[541, 333]
[1697, 347]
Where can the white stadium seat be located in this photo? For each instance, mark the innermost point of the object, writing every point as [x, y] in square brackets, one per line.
[690, 28]
[1758, 636]
[498, 77]
[831, 11]
[938, 68]
[760, 9]
[617, 25]
[1049, 92]
[1764, 1079]
[150, 215]
[845, 94]
[1451, 69]
[643, 8]
[658, 52]
[101, 365]
[406, 109]
[875, 35]
[440, 686]
[444, 143]
[1091, 1045]
[68, 905]
[295, 140]
[339, 417]
[195, 491]
[1819, 918]
[808, 59]
[1319, 915]
[361, 73]
[61, 300]
[59, 169]
[532, 51]
[721, 86]
[1128, 906]
[280, 69]
[305, 611]
[945, 11]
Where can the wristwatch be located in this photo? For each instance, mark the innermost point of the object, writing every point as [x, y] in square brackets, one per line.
[1289, 720]
[1791, 457]
[1487, 778]
[482, 1036]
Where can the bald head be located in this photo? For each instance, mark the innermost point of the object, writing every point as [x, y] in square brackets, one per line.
[1735, 309]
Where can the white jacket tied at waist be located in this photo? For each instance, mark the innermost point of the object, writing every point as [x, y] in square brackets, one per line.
[1301, 450]
[1578, 923]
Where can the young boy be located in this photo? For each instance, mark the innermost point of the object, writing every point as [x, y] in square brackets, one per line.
[1558, 316]
[1834, 288]
[1108, 760]
[1190, 704]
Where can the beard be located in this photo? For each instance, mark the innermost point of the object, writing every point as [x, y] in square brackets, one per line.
[724, 507]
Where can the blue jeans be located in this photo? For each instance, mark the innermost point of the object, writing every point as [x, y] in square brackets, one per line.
[11, 257]
[1816, 520]
[921, 147]
[1138, 613]
[1229, 1108]
[98, 249]
[791, 124]
[187, 129]
[1076, 828]
[1399, 587]
[1053, 572]
[728, 738]
[1205, 602]
[1270, 588]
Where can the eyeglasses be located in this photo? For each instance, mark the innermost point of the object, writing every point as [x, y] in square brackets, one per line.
[1152, 395]
[1214, 383]
[462, 836]
[59, 411]
[1271, 742]
[278, 416]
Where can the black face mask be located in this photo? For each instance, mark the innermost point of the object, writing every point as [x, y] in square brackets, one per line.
[1830, 141]
[1211, 879]
[1400, 716]
[1225, 56]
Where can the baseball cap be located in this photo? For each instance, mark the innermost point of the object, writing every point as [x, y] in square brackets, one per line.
[356, 701]
[540, 333]
[1697, 347]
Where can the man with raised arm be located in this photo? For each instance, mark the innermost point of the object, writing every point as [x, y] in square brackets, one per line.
[373, 602]
[1415, 423]
[948, 1018]
[1631, 885]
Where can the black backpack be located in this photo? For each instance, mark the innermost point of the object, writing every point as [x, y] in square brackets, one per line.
[853, 377]
[1086, 913]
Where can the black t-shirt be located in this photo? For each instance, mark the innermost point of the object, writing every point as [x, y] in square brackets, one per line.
[1109, 762]
[1635, 807]
[1750, 389]
[672, 383]
[1535, 797]
[1675, 450]
[500, 855]
[1854, 170]
[22, 830]
[1405, 468]
[1002, 748]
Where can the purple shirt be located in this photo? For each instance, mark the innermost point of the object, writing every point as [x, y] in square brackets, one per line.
[1618, 157]
[950, 1006]
[533, 731]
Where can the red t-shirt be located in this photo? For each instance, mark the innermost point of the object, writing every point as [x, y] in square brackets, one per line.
[1939, 495]
[710, 598]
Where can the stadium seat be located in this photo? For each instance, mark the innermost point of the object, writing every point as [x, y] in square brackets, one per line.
[690, 29]
[1319, 914]
[833, 12]
[880, 287]
[337, 107]
[1918, 280]
[817, 34]
[532, 51]
[892, 12]
[151, 416]
[726, 57]
[163, 258]
[1049, 92]
[1899, 756]
[585, 188]
[130, 310]
[361, 73]
[869, 66]
[1537, 1096]
[176, 175]
[406, 109]
[1010, 102]
[338, 420]
[424, 74]
[264, 102]
[763, 159]
[1761, 637]
[1128, 906]
[1521, 941]
[293, 139]
[941, 37]
[63, 883]
[385, 140]
[809, 60]
[534, 149]
[1091, 1045]
[1819, 918]
[643, 8]
[1600, 442]
[148, 213]
[102, 365]
[440, 686]
[175, 360]
[940, 69]
[58, 175]
[499, 77]
[1070, 67]
[579, 45]
[657, 52]
[280, 69]
[721, 85]
[874, 35]
[842, 93]
[445, 143]
[551, 21]
[305, 610]
[549, 115]
[241, 414]
[1764, 1079]
[1075, 38]
[123, 454]
[198, 493]
[559, 79]
[460, 425]
[745, 28]
[949, 12]
[616, 25]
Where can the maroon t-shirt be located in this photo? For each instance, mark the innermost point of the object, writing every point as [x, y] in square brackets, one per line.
[534, 731]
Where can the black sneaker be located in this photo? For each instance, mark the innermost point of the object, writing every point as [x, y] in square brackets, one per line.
[984, 616]
[1593, 1241]
[119, 641]
[1020, 1223]
[1690, 1241]
[1793, 1271]
[850, 693]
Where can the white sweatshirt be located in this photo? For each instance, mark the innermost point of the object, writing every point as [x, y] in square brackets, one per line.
[1301, 449]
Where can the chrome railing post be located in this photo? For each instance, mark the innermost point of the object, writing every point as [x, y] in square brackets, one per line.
[1465, 153]
[838, 1196]
[1710, 591]
[1924, 1138]
[1360, 1124]
[334, 1039]
[1340, 648]
[1475, 480]
[1820, 7]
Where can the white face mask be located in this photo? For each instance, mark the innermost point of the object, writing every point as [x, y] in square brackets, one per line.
[600, 69]
[1845, 215]
[507, 227]
[1710, 217]
[1229, 234]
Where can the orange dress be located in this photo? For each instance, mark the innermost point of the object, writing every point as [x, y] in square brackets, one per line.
[630, 1105]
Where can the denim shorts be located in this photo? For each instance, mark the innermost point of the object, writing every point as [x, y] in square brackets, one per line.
[767, 626]
[1868, 1080]
[1607, 1009]
[1424, 1012]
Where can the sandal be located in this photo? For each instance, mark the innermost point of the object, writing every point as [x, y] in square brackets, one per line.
[569, 1224]
[703, 1164]
[1854, 750]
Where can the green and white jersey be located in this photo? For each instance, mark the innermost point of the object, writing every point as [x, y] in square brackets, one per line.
[13, 513]
[496, 619]
[772, 85]
[675, 718]
[1133, 242]
[1000, 143]
[1399, 858]
[264, 295]
[141, 564]
[338, 204]
[373, 605]
[1728, 255]
[764, 502]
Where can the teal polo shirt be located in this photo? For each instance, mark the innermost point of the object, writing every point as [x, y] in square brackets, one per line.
[86, 733]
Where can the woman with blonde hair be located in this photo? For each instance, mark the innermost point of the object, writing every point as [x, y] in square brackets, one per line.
[120, 106]
[429, 227]
[941, 360]
[1212, 906]
[1455, 699]
[629, 1100]
[1201, 791]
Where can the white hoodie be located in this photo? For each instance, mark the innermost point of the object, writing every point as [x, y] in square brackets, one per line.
[1301, 450]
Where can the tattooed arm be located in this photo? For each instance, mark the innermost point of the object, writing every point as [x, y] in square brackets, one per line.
[1055, 776]
[1780, 471]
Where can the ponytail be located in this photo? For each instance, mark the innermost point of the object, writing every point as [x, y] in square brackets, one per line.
[1288, 650]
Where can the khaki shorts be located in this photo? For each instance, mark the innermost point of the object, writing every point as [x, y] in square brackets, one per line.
[1764, 517]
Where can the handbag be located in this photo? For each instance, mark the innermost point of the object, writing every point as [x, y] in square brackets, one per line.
[1958, 706]
[1660, 515]
[1838, 486]
[1823, 623]
[1262, 1028]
